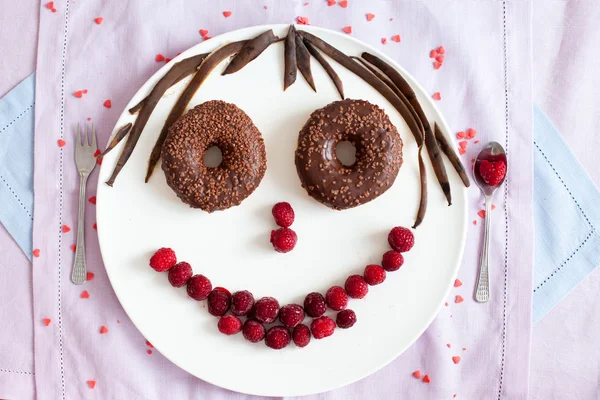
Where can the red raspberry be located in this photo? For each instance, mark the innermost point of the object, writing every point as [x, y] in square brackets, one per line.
[291, 315]
[283, 214]
[229, 325]
[218, 302]
[284, 240]
[356, 287]
[301, 335]
[492, 172]
[336, 297]
[198, 287]
[277, 337]
[345, 319]
[241, 303]
[322, 327]
[374, 274]
[253, 331]
[266, 310]
[180, 273]
[401, 239]
[392, 260]
[163, 259]
[314, 305]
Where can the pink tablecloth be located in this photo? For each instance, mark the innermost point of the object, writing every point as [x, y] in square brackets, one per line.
[485, 84]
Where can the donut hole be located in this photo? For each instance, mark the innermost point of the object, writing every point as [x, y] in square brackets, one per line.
[346, 153]
[212, 157]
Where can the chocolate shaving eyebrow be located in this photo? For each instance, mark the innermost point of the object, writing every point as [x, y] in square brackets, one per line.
[151, 101]
[205, 69]
[290, 68]
[252, 49]
[451, 154]
[431, 143]
[330, 71]
[303, 61]
[121, 133]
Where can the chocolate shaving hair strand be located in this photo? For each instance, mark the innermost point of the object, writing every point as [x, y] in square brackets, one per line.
[252, 49]
[327, 67]
[303, 61]
[290, 68]
[451, 154]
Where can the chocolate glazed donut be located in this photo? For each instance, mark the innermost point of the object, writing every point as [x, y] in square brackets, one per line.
[378, 154]
[221, 124]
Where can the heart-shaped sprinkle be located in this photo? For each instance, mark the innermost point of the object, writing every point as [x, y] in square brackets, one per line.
[437, 96]
[149, 344]
[396, 38]
[460, 135]
[456, 359]
[446, 304]
[65, 228]
[302, 20]
[95, 226]
[370, 17]
[440, 59]
[50, 5]
[89, 276]
[458, 299]
[226, 14]
[103, 330]
[97, 153]
[383, 40]
[149, 351]
[347, 29]
[474, 222]
[331, 3]
[98, 20]
[159, 58]
[426, 379]
[463, 144]
[92, 199]
[91, 384]
[46, 321]
[481, 213]
[344, 4]
[417, 374]
[84, 295]
[73, 247]
[433, 54]
[471, 133]
[203, 32]
[107, 104]
[36, 253]
[78, 94]
[457, 283]
[441, 50]
[99, 161]
[437, 64]
[461, 151]
[464, 348]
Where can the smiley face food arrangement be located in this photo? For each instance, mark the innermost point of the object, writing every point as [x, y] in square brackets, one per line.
[186, 136]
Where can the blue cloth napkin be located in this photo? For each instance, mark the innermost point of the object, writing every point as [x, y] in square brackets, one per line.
[566, 202]
[16, 162]
[566, 213]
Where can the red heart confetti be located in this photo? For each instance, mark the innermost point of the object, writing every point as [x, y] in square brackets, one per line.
[437, 96]
[302, 20]
[107, 104]
[78, 94]
[396, 38]
[84, 91]
[103, 330]
[454, 396]
[98, 20]
[84, 295]
[370, 17]
[203, 32]
[456, 359]
[91, 384]
[306, 4]
[74, 248]
[461, 151]
[458, 299]
[168, 59]
[89, 276]
[471, 133]
[426, 379]
[464, 348]
[331, 3]
[95, 226]
[417, 374]
[99, 161]
[159, 57]
[265, 7]
[448, 345]
[207, 37]
[46, 321]
[463, 144]
[433, 54]
[481, 213]
[149, 344]
[149, 351]
[347, 29]
[226, 14]
[50, 6]
[446, 304]
[457, 283]
[391, 19]
[493, 206]
[97, 153]
[474, 222]
[344, 4]
[383, 40]
[36, 253]
[92, 199]
[440, 59]
[437, 65]
[460, 135]
[65, 228]
[477, 141]
[441, 50]
[89, 119]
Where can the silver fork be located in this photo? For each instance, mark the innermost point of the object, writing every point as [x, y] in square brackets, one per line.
[85, 162]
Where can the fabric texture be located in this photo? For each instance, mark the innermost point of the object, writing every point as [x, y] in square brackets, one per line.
[76, 54]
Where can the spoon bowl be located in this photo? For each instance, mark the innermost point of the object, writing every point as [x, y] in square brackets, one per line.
[492, 152]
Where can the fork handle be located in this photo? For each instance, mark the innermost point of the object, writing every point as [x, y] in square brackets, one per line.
[79, 273]
[482, 292]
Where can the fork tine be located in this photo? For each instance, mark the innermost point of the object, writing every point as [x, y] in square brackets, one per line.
[78, 135]
[94, 137]
[86, 140]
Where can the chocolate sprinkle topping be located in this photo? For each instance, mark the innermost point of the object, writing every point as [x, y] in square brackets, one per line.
[221, 124]
[378, 154]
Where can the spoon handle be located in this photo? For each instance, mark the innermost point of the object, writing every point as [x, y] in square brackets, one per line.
[482, 291]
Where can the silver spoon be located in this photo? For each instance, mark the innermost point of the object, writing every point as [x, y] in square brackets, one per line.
[492, 152]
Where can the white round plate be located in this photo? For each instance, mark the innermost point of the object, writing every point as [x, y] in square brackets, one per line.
[232, 247]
